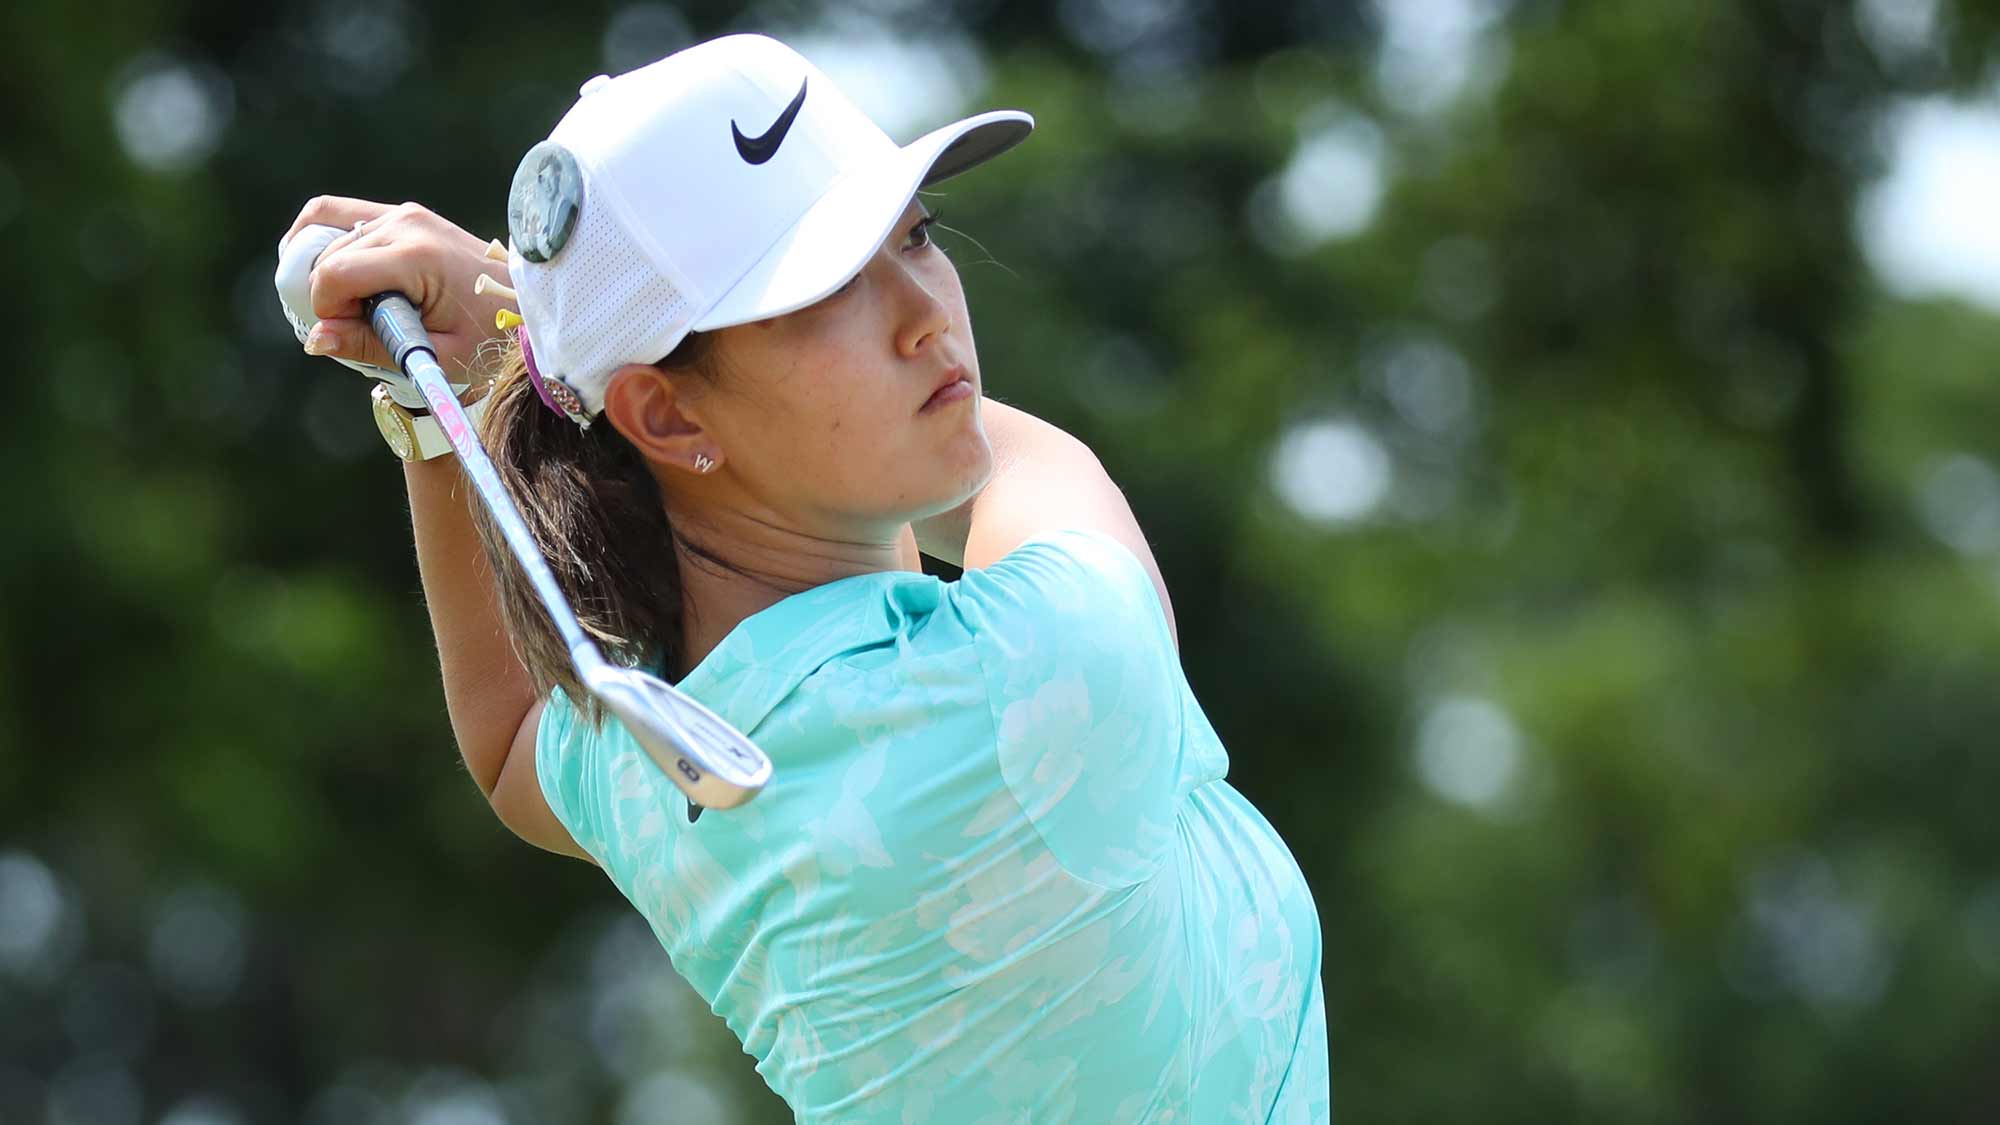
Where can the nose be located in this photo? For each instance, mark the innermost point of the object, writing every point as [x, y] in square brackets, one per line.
[922, 315]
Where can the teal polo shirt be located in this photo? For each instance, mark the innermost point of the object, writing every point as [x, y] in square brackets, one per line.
[997, 875]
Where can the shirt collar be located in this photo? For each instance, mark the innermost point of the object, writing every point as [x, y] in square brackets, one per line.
[767, 654]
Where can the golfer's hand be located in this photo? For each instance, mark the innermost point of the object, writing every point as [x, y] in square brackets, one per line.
[411, 250]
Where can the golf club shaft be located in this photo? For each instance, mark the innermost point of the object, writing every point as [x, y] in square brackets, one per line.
[718, 768]
[401, 330]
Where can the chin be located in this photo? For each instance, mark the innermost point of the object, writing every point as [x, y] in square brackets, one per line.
[966, 476]
[978, 467]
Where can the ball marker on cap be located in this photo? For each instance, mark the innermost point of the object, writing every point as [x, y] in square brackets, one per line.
[543, 203]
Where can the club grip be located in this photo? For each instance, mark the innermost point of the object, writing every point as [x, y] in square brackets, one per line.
[401, 330]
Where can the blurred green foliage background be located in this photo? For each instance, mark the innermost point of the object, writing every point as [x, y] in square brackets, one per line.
[1584, 532]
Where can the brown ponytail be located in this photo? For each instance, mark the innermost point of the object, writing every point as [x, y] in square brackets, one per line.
[593, 507]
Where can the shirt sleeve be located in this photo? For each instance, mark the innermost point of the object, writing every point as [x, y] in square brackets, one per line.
[1086, 691]
[566, 748]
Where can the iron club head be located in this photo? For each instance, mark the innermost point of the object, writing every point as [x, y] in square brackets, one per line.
[715, 765]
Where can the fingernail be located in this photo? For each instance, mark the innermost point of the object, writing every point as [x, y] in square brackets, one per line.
[319, 341]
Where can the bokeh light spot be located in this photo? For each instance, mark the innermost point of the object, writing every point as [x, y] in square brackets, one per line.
[196, 945]
[170, 114]
[368, 44]
[638, 34]
[1897, 29]
[905, 83]
[449, 1096]
[1929, 227]
[31, 910]
[1823, 943]
[1431, 50]
[202, 1109]
[1330, 188]
[1429, 384]
[94, 1090]
[1958, 499]
[1331, 470]
[1468, 751]
[673, 1096]
[1982, 929]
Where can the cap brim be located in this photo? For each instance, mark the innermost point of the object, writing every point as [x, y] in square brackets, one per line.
[836, 235]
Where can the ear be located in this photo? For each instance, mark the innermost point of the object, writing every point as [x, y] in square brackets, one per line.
[661, 423]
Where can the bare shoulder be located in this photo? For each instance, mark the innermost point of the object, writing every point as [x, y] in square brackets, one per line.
[1044, 481]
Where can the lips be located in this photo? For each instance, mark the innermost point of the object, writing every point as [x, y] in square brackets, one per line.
[953, 387]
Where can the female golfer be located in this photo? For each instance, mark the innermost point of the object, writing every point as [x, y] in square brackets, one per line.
[997, 875]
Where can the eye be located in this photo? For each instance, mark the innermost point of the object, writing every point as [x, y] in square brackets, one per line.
[920, 234]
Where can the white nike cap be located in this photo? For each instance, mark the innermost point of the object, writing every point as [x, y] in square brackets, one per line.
[724, 184]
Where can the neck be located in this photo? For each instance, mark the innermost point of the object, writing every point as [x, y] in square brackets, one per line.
[770, 563]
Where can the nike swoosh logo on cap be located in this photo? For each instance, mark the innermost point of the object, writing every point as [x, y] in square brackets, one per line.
[756, 150]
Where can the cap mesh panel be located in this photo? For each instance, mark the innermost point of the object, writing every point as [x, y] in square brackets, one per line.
[599, 305]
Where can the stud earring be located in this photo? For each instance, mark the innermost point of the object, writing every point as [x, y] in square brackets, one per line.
[703, 463]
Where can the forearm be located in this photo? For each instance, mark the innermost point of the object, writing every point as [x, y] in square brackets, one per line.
[486, 690]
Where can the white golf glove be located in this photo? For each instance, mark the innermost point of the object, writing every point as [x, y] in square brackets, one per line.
[296, 256]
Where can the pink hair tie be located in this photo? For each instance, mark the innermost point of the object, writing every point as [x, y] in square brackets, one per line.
[535, 373]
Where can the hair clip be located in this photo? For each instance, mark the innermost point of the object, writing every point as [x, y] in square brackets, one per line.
[567, 401]
[554, 393]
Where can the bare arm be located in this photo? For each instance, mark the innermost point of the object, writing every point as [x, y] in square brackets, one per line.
[1043, 480]
[494, 709]
[486, 690]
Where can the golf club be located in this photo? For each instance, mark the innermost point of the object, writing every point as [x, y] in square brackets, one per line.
[715, 765]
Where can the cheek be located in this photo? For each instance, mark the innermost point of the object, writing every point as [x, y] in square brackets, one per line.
[838, 422]
[866, 451]
[833, 427]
